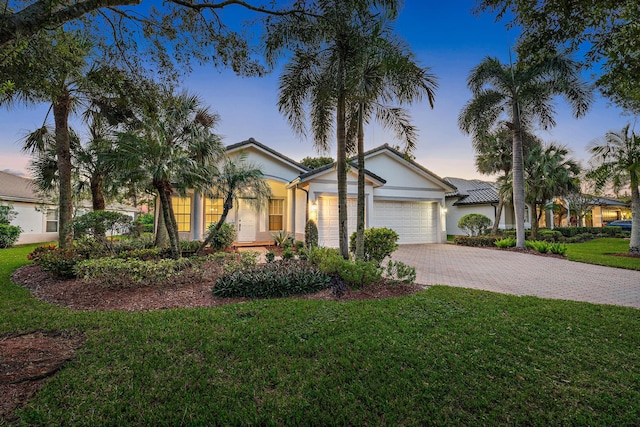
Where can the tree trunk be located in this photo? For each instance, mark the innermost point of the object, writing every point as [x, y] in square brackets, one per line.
[61, 109]
[97, 195]
[535, 219]
[360, 208]
[341, 156]
[496, 222]
[226, 207]
[518, 177]
[161, 229]
[634, 242]
[164, 190]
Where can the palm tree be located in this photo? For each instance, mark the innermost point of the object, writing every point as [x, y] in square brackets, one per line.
[237, 179]
[173, 150]
[317, 76]
[616, 160]
[520, 96]
[384, 72]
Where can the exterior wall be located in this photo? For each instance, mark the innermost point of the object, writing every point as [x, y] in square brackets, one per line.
[454, 213]
[33, 221]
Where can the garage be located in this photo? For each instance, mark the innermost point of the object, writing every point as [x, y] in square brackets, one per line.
[328, 220]
[415, 222]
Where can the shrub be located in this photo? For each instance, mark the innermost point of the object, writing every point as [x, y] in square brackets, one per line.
[326, 259]
[287, 253]
[399, 272]
[549, 235]
[146, 220]
[7, 214]
[276, 279]
[558, 248]
[189, 246]
[538, 246]
[270, 256]
[303, 254]
[9, 234]
[474, 224]
[98, 223]
[230, 262]
[109, 272]
[126, 243]
[58, 261]
[282, 238]
[508, 242]
[579, 238]
[477, 241]
[142, 254]
[379, 243]
[311, 234]
[298, 244]
[359, 273]
[224, 237]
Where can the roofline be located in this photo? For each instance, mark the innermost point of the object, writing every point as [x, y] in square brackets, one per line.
[251, 141]
[322, 169]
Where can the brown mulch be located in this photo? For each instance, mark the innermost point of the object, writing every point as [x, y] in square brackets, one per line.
[28, 360]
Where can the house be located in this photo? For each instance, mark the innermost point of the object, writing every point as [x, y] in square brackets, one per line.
[399, 194]
[37, 216]
[603, 211]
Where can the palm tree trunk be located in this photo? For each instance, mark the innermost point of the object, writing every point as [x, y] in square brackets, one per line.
[61, 109]
[535, 217]
[164, 190]
[360, 208]
[496, 222]
[226, 207]
[161, 229]
[634, 242]
[518, 177]
[97, 195]
[341, 161]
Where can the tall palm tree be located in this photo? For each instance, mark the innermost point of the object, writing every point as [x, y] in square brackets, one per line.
[174, 149]
[237, 179]
[521, 96]
[323, 45]
[384, 72]
[616, 160]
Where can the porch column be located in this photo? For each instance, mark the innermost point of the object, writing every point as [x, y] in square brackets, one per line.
[292, 209]
[197, 215]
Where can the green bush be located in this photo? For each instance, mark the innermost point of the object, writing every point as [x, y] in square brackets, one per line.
[359, 273]
[379, 243]
[270, 256]
[189, 246]
[549, 235]
[224, 237]
[7, 214]
[142, 254]
[282, 238]
[399, 272]
[147, 222]
[298, 244]
[311, 234]
[287, 253]
[474, 224]
[98, 223]
[477, 241]
[508, 242]
[558, 248]
[303, 254]
[326, 259]
[230, 262]
[109, 272]
[579, 238]
[277, 279]
[58, 261]
[9, 234]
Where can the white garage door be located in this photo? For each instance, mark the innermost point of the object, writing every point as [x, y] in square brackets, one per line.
[415, 222]
[328, 220]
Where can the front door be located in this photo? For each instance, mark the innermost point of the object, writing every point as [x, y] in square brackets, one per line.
[246, 224]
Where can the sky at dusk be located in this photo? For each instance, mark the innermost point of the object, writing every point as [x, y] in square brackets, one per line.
[445, 36]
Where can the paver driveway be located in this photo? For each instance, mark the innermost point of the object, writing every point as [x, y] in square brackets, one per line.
[521, 274]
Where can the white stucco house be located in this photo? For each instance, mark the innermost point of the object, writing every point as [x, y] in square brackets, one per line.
[399, 194]
[35, 214]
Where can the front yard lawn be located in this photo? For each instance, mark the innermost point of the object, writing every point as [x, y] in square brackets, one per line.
[443, 356]
[604, 251]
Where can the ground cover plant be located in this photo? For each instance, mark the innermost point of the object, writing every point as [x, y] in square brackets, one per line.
[441, 356]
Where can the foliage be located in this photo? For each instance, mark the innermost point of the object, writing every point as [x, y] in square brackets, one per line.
[328, 260]
[9, 234]
[282, 237]
[474, 224]
[505, 243]
[379, 243]
[298, 244]
[549, 235]
[270, 256]
[110, 272]
[397, 271]
[359, 273]
[275, 279]
[303, 254]
[311, 234]
[59, 261]
[479, 241]
[147, 220]
[223, 238]
[98, 223]
[189, 246]
[316, 162]
[147, 254]
[287, 253]
[231, 262]
[544, 247]
[7, 213]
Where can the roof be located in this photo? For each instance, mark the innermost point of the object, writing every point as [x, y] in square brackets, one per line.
[251, 141]
[605, 201]
[473, 191]
[325, 168]
[17, 188]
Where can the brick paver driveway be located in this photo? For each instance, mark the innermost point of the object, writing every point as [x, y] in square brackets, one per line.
[521, 274]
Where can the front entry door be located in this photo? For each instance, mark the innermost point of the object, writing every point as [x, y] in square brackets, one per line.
[246, 225]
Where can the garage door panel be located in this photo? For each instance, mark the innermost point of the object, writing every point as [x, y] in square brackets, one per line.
[415, 222]
[328, 220]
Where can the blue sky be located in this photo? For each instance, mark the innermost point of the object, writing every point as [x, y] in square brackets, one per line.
[445, 36]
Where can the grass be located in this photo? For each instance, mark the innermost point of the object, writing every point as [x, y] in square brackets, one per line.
[603, 252]
[440, 357]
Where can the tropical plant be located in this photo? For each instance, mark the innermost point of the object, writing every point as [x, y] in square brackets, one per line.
[311, 234]
[519, 96]
[379, 243]
[474, 224]
[237, 179]
[616, 160]
[316, 162]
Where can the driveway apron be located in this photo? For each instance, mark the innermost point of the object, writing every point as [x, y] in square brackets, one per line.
[521, 274]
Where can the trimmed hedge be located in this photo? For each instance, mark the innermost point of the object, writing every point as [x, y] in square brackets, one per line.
[477, 241]
[379, 243]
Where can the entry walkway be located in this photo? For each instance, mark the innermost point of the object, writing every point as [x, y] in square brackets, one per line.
[521, 274]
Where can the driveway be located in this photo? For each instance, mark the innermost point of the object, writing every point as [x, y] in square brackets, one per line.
[521, 274]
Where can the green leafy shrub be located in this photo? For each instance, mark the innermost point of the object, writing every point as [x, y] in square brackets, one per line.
[282, 238]
[303, 254]
[224, 237]
[7, 213]
[146, 220]
[508, 242]
[109, 272]
[579, 238]
[379, 243]
[359, 273]
[127, 243]
[477, 241]
[39, 251]
[58, 261]
[538, 245]
[189, 246]
[230, 262]
[326, 259]
[474, 224]
[143, 254]
[277, 279]
[399, 272]
[549, 235]
[98, 223]
[311, 234]
[298, 244]
[9, 234]
[270, 256]
[558, 248]
[287, 253]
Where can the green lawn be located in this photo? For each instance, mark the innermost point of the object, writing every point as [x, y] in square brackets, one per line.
[443, 356]
[603, 252]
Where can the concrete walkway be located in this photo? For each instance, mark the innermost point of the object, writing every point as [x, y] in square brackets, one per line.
[521, 274]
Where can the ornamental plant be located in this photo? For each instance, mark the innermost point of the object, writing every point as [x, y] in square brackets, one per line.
[379, 243]
[474, 224]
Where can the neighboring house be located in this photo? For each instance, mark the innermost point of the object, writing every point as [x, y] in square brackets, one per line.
[604, 211]
[399, 194]
[473, 196]
[38, 217]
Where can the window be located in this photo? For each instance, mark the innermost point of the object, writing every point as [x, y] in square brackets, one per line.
[52, 220]
[182, 209]
[276, 214]
[213, 211]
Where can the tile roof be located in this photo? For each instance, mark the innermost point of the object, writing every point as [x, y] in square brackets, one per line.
[17, 188]
[252, 141]
[473, 192]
